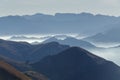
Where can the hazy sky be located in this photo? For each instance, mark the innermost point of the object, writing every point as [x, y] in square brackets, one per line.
[13, 7]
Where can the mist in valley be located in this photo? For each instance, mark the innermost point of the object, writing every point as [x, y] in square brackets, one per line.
[109, 54]
[109, 51]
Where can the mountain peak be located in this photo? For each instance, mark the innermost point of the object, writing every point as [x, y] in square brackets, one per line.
[77, 64]
[53, 44]
[75, 50]
[81, 54]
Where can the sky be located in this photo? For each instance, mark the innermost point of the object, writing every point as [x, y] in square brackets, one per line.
[24, 7]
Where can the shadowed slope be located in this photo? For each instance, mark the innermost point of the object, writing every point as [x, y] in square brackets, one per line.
[77, 64]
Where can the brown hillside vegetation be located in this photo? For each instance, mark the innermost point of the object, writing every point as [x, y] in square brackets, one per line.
[36, 75]
[13, 71]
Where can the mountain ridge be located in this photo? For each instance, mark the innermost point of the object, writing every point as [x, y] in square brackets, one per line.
[78, 64]
[25, 52]
[62, 22]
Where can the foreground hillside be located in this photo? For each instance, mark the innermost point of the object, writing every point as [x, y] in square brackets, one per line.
[54, 62]
[7, 72]
[77, 64]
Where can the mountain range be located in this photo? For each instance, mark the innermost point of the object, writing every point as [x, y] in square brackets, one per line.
[72, 42]
[53, 61]
[62, 55]
[83, 23]
[22, 51]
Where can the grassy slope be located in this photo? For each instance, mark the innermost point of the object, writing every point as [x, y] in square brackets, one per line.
[13, 71]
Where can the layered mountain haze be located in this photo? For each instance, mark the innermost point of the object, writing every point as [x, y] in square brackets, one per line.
[72, 42]
[64, 46]
[58, 61]
[25, 52]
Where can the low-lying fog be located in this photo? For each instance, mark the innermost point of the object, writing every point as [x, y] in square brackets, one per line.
[110, 51]
[109, 54]
[34, 38]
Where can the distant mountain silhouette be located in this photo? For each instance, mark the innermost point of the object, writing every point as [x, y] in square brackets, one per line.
[95, 38]
[77, 64]
[109, 36]
[72, 42]
[58, 23]
[22, 51]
